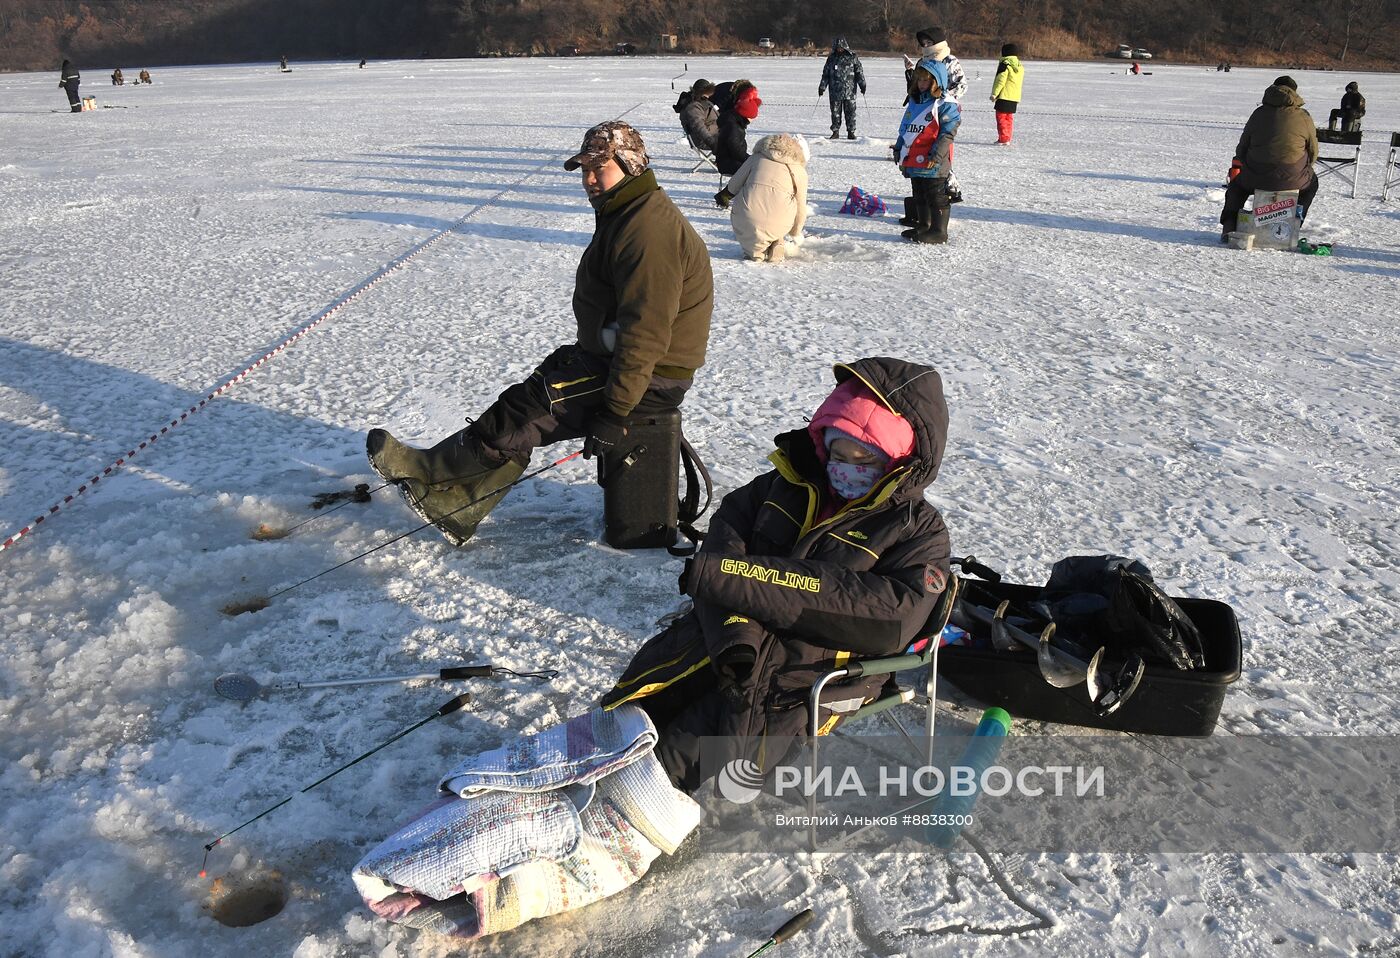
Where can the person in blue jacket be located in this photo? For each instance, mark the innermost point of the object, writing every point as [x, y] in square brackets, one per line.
[924, 150]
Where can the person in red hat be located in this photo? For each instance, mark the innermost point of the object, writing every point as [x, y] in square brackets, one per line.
[738, 104]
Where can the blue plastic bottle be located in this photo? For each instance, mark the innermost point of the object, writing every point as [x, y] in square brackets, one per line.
[979, 755]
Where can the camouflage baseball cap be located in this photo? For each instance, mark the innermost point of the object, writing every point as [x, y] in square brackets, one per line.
[613, 140]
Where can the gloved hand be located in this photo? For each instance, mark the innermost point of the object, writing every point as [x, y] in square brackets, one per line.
[722, 198]
[820, 90]
[683, 580]
[992, 98]
[735, 664]
[605, 430]
[1235, 169]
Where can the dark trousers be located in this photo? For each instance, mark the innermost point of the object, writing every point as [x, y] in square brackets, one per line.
[1347, 121]
[1243, 187]
[838, 107]
[70, 87]
[557, 401]
[931, 190]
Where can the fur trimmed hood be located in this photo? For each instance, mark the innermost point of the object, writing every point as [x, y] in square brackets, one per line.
[784, 148]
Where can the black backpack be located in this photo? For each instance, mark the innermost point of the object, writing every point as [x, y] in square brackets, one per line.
[1111, 601]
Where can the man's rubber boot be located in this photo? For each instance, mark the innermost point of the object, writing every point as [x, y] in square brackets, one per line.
[457, 510]
[937, 231]
[441, 483]
[910, 217]
[457, 458]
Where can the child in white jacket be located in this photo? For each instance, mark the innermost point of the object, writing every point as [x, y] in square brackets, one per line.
[767, 197]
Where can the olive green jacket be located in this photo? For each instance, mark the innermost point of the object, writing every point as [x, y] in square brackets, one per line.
[1279, 143]
[646, 273]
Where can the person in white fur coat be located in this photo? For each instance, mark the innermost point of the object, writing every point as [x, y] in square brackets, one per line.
[767, 197]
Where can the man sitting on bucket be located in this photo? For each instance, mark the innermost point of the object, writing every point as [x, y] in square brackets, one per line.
[643, 295]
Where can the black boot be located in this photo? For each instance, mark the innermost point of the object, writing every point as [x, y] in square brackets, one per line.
[917, 208]
[443, 484]
[923, 208]
[937, 231]
[910, 217]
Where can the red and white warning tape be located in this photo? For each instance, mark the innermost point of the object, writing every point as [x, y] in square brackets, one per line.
[335, 307]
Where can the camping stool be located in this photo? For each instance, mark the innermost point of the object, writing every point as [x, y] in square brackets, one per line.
[641, 483]
[891, 696]
[1392, 167]
[1347, 167]
[706, 157]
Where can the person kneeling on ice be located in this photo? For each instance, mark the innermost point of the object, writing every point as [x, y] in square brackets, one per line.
[1276, 151]
[924, 150]
[642, 300]
[835, 552]
[767, 198]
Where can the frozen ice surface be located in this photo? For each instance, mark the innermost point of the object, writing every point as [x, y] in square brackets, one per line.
[1118, 382]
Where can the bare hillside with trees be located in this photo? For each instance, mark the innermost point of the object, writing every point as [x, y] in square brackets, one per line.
[98, 34]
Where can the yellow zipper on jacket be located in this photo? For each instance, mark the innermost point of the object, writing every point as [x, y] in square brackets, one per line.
[877, 497]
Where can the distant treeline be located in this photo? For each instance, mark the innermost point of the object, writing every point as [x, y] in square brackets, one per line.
[102, 34]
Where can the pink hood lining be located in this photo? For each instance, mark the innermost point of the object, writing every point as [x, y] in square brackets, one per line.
[856, 411]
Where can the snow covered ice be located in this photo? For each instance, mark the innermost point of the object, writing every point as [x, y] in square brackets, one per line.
[1118, 381]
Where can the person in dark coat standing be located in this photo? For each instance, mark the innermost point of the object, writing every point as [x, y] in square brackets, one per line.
[1276, 151]
[1353, 108]
[68, 82]
[842, 75]
[834, 553]
[738, 104]
[699, 115]
[643, 295]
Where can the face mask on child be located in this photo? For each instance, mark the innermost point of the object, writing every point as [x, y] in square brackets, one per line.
[850, 480]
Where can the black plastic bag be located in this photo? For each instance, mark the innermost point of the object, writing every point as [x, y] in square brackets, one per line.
[1112, 601]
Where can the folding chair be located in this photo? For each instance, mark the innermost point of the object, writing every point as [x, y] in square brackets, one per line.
[1338, 165]
[705, 157]
[925, 654]
[1392, 167]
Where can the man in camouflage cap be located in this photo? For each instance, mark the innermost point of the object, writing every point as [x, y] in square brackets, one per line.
[643, 294]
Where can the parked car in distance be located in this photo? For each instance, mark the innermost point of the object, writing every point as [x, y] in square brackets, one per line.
[766, 43]
[1124, 52]
[625, 49]
[567, 51]
[1140, 54]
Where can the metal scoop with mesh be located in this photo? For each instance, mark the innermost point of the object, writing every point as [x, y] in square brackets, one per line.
[245, 688]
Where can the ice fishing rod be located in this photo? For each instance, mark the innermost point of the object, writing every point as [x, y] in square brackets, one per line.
[241, 687]
[417, 529]
[446, 709]
[790, 927]
[361, 493]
